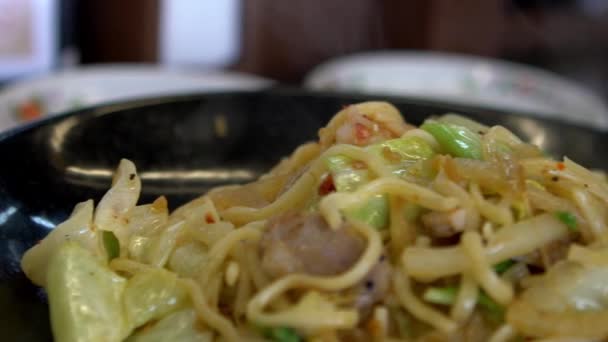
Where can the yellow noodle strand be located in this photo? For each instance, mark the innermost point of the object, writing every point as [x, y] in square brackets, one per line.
[429, 263]
[465, 300]
[402, 233]
[300, 157]
[503, 334]
[593, 212]
[243, 294]
[207, 315]
[445, 186]
[222, 248]
[417, 308]
[482, 271]
[490, 211]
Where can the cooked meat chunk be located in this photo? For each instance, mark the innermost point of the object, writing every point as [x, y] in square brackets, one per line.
[305, 244]
[298, 243]
[443, 224]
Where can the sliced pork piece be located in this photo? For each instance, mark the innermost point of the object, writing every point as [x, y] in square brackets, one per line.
[444, 224]
[303, 243]
[299, 243]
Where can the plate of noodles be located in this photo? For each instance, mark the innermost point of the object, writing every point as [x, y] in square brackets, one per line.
[294, 216]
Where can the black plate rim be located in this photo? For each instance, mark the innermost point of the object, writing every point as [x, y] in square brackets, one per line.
[116, 106]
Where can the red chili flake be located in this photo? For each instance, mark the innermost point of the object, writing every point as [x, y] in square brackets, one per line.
[327, 186]
[561, 166]
[209, 218]
[362, 132]
[29, 110]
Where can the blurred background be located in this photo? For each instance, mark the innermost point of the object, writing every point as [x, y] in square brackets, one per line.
[52, 50]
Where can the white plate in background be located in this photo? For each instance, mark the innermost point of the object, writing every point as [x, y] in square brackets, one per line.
[462, 79]
[68, 90]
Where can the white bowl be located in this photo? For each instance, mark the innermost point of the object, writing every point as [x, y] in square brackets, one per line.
[464, 80]
[94, 85]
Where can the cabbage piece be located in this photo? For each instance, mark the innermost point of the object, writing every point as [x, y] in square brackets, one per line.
[187, 259]
[148, 219]
[375, 212]
[571, 299]
[344, 175]
[152, 294]
[410, 148]
[138, 247]
[456, 140]
[196, 213]
[209, 234]
[401, 153]
[178, 326]
[85, 297]
[113, 209]
[76, 228]
[155, 250]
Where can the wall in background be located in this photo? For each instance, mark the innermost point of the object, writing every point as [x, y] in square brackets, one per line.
[28, 37]
[199, 33]
[285, 39]
[117, 30]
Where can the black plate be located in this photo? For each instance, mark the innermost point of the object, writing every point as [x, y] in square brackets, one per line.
[50, 166]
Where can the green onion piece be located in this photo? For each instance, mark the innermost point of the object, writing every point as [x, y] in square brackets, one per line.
[441, 295]
[447, 296]
[494, 311]
[503, 266]
[457, 119]
[375, 212]
[282, 334]
[458, 141]
[111, 244]
[568, 219]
